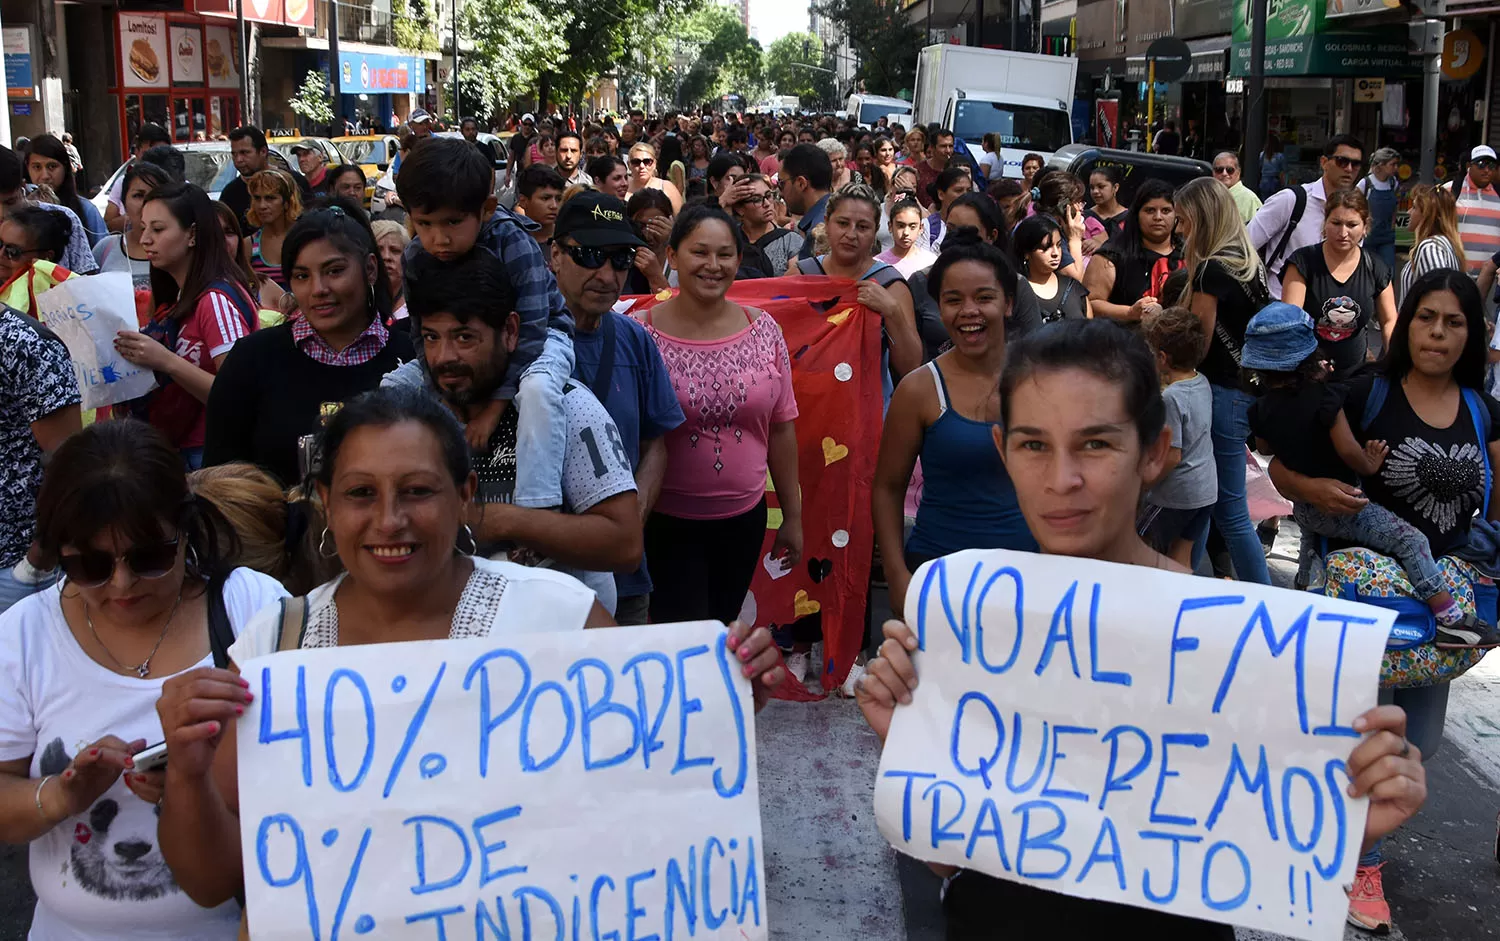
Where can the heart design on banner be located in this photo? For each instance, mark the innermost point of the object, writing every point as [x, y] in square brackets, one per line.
[819, 569]
[833, 452]
[841, 316]
[773, 567]
[802, 605]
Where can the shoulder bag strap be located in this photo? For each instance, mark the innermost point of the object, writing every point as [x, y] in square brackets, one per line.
[1379, 389]
[220, 632]
[601, 383]
[293, 623]
[1299, 207]
[1481, 417]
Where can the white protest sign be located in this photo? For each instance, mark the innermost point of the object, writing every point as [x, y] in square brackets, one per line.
[1134, 735]
[592, 784]
[87, 313]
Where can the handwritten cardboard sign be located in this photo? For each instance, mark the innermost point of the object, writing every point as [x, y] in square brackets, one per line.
[1134, 735]
[87, 314]
[592, 784]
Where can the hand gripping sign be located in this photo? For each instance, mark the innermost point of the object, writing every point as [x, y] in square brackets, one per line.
[1134, 735]
[597, 784]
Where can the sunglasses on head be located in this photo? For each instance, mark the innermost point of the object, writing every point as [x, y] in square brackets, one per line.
[621, 259]
[1348, 163]
[93, 567]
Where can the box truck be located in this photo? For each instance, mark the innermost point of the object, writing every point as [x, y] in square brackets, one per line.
[1023, 97]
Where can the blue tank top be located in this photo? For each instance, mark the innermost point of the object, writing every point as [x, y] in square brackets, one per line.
[968, 501]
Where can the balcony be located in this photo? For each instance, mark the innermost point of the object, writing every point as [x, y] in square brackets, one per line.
[376, 27]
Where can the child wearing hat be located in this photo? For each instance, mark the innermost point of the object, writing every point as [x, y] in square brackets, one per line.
[1298, 416]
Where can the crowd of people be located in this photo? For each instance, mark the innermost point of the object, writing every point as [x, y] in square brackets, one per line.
[424, 429]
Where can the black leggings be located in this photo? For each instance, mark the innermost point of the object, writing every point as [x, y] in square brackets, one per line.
[701, 569]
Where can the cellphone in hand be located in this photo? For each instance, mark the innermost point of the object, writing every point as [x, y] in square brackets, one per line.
[150, 759]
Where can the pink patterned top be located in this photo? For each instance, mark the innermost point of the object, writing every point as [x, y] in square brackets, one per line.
[732, 391]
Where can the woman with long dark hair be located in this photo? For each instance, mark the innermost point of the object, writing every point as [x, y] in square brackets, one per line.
[1126, 276]
[202, 308]
[47, 163]
[950, 184]
[140, 179]
[269, 400]
[147, 594]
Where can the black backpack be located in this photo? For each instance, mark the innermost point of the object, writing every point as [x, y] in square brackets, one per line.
[1299, 207]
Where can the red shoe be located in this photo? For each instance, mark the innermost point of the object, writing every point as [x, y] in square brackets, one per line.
[1368, 909]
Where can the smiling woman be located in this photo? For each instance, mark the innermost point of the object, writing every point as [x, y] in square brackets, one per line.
[276, 393]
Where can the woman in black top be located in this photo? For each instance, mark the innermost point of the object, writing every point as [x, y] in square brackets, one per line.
[1038, 248]
[1343, 287]
[1125, 277]
[1104, 190]
[276, 390]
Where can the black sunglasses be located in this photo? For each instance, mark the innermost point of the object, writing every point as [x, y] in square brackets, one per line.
[1348, 163]
[642, 161]
[1484, 162]
[94, 567]
[621, 259]
[14, 252]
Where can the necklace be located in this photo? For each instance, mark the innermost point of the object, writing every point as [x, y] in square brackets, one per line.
[144, 667]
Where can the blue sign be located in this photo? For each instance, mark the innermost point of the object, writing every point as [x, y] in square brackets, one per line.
[373, 73]
[23, 110]
[20, 81]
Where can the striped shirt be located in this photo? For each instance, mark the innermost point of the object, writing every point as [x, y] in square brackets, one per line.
[261, 267]
[365, 347]
[1478, 223]
[1431, 254]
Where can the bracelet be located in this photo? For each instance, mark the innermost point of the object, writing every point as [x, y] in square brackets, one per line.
[39, 808]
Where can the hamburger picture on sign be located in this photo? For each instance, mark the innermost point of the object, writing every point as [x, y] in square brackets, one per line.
[144, 55]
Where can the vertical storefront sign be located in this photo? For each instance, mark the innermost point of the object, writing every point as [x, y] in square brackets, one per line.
[1107, 118]
[221, 57]
[20, 62]
[186, 43]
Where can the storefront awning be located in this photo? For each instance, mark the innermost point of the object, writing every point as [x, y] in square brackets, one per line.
[1210, 61]
[1337, 55]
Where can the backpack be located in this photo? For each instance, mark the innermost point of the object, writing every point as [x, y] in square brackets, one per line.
[1299, 208]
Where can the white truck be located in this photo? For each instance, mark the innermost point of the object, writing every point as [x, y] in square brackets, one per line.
[868, 109]
[1023, 97]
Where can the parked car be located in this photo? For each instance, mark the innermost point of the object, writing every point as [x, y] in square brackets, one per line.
[208, 164]
[499, 144]
[371, 152]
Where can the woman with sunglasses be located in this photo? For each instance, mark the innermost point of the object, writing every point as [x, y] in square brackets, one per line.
[28, 235]
[146, 595]
[730, 367]
[756, 213]
[270, 397]
[140, 179]
[642, 164]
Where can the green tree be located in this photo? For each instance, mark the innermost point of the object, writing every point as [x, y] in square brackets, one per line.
[314, 100]
[721, 55]
[414, 25]
[883, 38]
[513, 40]
[794, 66]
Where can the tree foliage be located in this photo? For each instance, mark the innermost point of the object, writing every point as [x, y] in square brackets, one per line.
[513, 41]
[883, 39]
[795, 66]
[719, 54]
[414, 25]
[314, 100]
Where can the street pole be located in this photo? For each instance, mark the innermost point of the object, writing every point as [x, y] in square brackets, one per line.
[1255, 89]
[1150, 100]
[239, 25]
[456, 116]
[1432, 54]
[335, 70]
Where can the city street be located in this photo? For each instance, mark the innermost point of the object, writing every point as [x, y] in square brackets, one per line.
[831, 877]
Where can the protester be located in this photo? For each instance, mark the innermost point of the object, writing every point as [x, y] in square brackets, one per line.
[469, 128]
[1279, 229]
[755, 210]
[1060, 195]
[938, 154]
[616, 358]
[1125, 277]
[274, 206]
[83, 668]
[251, 155]
[698, 158]
[268, 294]
[1343, 287]
[864, 159]
[1435, 359]
[47, 164]
[570, 159]
[907, 253]
[838, 160]
[1176, 510]
[1038, 249]
[273, 393]
[140, 179]
[202, 308]
[1091, 381]
[147, 136]
[539, 193]
[733, 377]
[314, 166]
[1227, 287]
[1104, 190]
[1478, 208]
[391, 239]
[1227, 172]
[28, 235]
[1435, 242]
[853, 214]
[610, 176]
[804, 182]
[725, 172]
[945, 414]
[269, 529]
[1381, 189]
[1030, 165]
[643, 174]
[346, 181]
[948, 186]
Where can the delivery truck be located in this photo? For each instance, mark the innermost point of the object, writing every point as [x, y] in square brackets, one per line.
[1023, 97]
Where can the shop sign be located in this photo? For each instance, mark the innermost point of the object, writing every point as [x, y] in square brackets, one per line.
[298, 13]
[1198, 18]
[1368, 90]
[1284, 19]
[1334, 54]
[1149, 21]
[20, 63]
[221, 56]
[143, 51]
[1338, 8]
[1463, 54]
[187, 54]
[1205, 67]
[1101, 29]
[370, 73]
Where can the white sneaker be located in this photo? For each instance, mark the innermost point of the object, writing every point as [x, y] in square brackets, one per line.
[851, 682]
[796, 665]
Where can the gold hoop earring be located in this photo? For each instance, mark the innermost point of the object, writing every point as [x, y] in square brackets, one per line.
[323, 546]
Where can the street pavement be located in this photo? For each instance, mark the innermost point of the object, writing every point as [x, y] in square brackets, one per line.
[830, 876]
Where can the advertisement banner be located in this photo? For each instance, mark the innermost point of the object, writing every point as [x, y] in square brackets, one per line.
[1284, 19]
[143, 51]
[221, 57]
[1369, 54]
[376, 74]
[186, 43]
[1107, 120]
[20, 64]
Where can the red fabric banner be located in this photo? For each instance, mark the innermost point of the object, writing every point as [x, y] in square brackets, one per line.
[836, 363]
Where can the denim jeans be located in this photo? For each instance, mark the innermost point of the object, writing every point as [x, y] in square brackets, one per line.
[1231, 428]
[542, 425]
[13, 589]
[1426, 709]
[1374, 527]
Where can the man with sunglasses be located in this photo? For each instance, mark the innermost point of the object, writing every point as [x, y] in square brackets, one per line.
[1293, 217]
[1478, 209]
[593, 250]
[1227, 172]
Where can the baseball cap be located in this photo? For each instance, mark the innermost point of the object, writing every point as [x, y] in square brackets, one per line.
[528, 116]
[419, 116]
[302, 147]
[1278, 338]
[1483, 150]
[595, 220]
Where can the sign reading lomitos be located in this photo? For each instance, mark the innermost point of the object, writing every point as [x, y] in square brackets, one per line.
[583, 784]
[1134, 735]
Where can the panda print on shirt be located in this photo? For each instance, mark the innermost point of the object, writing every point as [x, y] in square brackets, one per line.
[113, 853]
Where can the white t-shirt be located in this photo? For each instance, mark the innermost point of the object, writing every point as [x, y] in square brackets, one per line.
[100, 875]
[989, 162]
[500, 598]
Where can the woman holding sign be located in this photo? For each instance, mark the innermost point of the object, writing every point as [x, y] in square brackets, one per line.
[1084, 422]
[394, 478]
